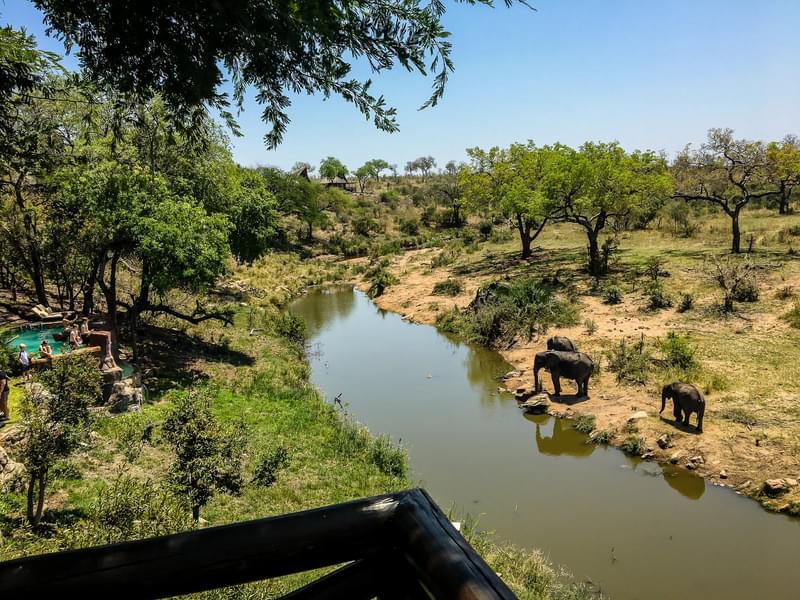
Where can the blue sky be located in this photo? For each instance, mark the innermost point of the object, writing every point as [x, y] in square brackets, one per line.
[648, 74]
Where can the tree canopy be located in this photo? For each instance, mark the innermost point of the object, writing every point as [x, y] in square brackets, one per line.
[184, 54]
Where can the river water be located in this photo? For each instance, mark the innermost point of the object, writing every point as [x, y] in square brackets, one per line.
[637, 530]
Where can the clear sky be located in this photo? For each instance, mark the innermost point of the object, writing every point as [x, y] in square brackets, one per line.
[650, 74]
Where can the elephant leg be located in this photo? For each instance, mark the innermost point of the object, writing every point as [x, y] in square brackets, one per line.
[700, 419]
[686, 415]
[677, 412]
[556, 381]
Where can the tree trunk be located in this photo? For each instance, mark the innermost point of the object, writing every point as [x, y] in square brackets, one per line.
[594, 266]
[196, 513]
[40, 503]
[737, 235]
[88, 290]
[110, 293]
[31, 486]
[524, 236]
[457, 215]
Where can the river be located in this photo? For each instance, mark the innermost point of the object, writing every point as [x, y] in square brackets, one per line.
[636, 529]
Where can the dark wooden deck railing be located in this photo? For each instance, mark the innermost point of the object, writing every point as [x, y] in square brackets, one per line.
[396, 546]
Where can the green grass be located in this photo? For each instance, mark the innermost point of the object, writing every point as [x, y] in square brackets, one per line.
[584, 424]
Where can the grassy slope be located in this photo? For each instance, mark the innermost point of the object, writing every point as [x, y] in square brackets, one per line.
[330, 460]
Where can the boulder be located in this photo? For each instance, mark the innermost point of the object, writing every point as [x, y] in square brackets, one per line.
[773, 487]
[664, 442]
[676, 457]
[537, 404]
[522, 394]
[639, 414]
[125, 397]
[512, 374]
[723, 474]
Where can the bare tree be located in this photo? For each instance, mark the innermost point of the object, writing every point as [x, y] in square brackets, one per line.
[731, 275]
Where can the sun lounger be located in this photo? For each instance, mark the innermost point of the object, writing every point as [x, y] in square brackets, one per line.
[46, 314]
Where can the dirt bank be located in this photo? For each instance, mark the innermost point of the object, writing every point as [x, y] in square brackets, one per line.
[732, 454]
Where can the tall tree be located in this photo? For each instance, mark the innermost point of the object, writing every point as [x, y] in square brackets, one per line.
[332, 167]
[363, 174]
[378, 165]
[783, 170]
[724, 171]
[510, 182]
[173, 47]
[600, 183]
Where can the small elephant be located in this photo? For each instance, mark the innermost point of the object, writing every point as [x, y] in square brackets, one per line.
[686, 399]
[572, 365]
[559, 342]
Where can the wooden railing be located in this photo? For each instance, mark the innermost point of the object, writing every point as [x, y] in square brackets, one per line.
[398, 546]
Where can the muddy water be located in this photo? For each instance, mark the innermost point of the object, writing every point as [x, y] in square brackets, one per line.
[635, 529]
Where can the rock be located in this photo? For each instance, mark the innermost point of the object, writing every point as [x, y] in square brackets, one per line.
[124, 397]
[691, 466]
[537, 404]
[664, 442]
[698, 460]
[647, 455]
[723, 474]
[791, 482]
[512, 374]
[773, 487]
[639, 414]
[676, 457]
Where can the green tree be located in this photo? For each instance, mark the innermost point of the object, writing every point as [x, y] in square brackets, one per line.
[207, 456]
[783, 170]
[363, 174]
[510, 182]
[600, 183]
[274, 47]
[726, 172]
[254, 215]
[332, 167]
[55, 420]
[378, 165]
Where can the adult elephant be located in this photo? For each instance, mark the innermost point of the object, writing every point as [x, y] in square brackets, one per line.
[561, 343]
[572, 365]
[686, 399]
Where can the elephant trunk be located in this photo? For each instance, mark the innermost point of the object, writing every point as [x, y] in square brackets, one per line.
[663, 398]
[537, 365]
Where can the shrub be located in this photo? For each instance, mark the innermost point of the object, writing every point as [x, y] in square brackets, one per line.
[426, 217]
[364, 225]
[390, 197]
[409, 226]
[612, 295]
[590, 327]
[746, 290]
[134, 431]
[601, 437]
[585, 423]
[657, 298]
[686, 303]
[380, 278]
[446, 257]
[633, 444]
[730, 274]
[785, 293]
[793, 316]
[654, 268]
[269, 465]
[291, 327]
[448, 287]
[390, 459]
[453, 321]
[485, 229]
[8, 356]
[677, 351]
[631, 362]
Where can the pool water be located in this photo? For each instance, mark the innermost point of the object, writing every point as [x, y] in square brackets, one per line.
[32, 338]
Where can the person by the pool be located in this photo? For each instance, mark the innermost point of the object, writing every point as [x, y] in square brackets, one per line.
[4, 412]
[45, 351]
[24, 360]
[85, 330]
[74, 339]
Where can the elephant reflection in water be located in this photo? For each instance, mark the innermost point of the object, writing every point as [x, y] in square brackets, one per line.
[564, 440]
[685, 483]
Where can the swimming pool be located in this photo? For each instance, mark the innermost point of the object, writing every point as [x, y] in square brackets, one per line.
[33, 337]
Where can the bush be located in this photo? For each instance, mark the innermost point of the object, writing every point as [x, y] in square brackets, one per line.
[590, 327]
[453, 321]
[291, 327]
[612, 295]
[364, 225]
[448, 287]
[793, 316]
[380, 278]
[746, 290]
[677, 352]
[785, 293]
[631, 362]
[390, 459]
[269, 465]
[446, 257]
[134, 431]
[601, 437]
[585, 424]
[485, 229]
[633, 444]
[390, 197]
[8, 356]
[686, 303]
[657, 298]
[654, 268]
[409, 226]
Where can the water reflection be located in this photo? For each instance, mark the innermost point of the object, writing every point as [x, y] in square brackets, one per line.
[319, 312]
[563, 440]
[684, 482]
